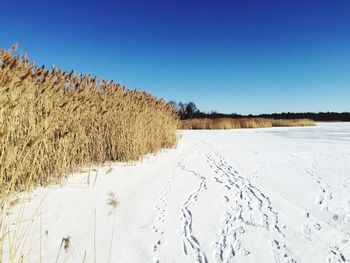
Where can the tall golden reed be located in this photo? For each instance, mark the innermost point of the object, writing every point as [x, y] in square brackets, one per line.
[52, 122]
[241, 123]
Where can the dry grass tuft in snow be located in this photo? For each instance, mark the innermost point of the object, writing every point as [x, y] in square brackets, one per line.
[112, 200]
[65, 243]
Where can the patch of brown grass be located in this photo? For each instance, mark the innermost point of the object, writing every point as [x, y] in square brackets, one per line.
[228, 123]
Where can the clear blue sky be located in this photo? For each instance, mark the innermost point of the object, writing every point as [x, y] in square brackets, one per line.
[230, 56]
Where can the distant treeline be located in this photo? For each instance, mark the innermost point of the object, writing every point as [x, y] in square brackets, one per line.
[189, 110]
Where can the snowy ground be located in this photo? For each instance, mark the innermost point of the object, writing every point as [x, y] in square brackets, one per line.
[260, 195]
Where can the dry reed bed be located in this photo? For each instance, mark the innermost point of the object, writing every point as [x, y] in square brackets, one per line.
[227, 123]
[52, 122]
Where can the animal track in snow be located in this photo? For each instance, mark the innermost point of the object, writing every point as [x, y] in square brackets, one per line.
[160, 218]
[310, 226]
[335, 255]
[325, 193]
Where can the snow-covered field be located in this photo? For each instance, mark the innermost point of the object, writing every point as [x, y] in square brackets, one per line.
[259, 195]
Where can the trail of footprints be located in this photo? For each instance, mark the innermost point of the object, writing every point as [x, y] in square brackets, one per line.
[325, 195]
[190, 242]
[247, 206]
[161, 209]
